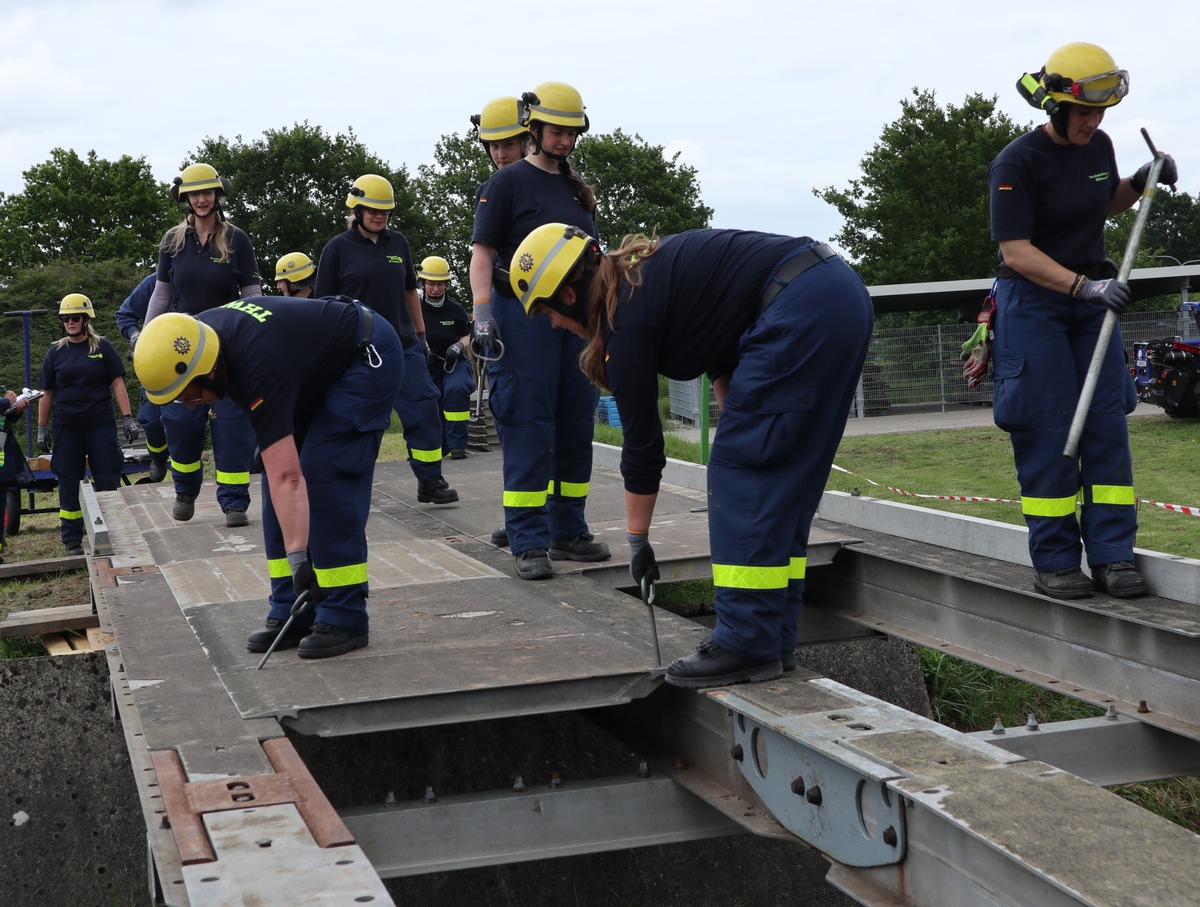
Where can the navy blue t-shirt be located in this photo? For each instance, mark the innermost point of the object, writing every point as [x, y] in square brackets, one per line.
[377, 274]
[699, 293]
[281, 355]
[1056, 196]
[519, 199]
[201, 279]
[82, 382]
[444, 324]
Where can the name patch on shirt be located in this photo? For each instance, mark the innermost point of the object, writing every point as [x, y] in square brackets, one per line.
[257, 312]
[1101, 177]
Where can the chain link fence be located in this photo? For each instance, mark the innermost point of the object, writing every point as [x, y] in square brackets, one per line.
[922, 366]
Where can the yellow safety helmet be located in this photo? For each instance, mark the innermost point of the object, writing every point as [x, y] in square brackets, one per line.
[543, 262]
[196, 178]
[371, 191]
[434, 268]
[500, 119]
[554, 102]
[172, 350]
[76, 304]
[1078, 73]
[295, 267]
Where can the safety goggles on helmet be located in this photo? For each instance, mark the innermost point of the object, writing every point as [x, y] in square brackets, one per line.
[1091, 89]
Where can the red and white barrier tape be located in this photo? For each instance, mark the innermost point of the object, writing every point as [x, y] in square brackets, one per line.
[1176, 508]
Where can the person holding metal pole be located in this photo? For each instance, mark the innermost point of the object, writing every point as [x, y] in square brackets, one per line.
[1051, 191]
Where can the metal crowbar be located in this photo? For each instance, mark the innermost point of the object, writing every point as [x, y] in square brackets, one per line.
[298, 608]
[648, 598]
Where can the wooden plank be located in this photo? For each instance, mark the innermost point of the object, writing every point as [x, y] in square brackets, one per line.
[98, 639]
[49, 620]
[43, 567]
[56, 644]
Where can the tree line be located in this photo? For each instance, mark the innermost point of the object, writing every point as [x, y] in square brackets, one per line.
[93, 226]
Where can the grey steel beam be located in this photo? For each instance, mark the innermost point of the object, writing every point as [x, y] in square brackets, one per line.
[1106, 751]
[539, 822]
[1139, 658]
[968, 823]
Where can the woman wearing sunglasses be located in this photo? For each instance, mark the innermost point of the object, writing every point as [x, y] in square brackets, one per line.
[81, 374]
[1051, 192]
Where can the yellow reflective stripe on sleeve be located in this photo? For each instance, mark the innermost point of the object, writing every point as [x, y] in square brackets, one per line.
[525, 499]
[425, 456]
[70, 514]
[233, 478]
[735, 576]
[278, 568]
[456, 416]
[573, 489]
[349, 575]
[185, 467]
[1113, 494]
[797, 568]
[1049, 507]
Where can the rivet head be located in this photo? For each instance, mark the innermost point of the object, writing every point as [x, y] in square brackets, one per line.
[736, 752]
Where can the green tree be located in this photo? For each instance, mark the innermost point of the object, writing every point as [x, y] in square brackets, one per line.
[920, 209]
[289, 189]
[447, 189]
[638, 188]
[84, 209]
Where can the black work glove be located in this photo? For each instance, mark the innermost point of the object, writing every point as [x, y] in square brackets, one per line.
[43, 439]
[1111, 293]
[304, 578]
[424, 344]
[642, 564]
[131, 429]
[1168, 176]
[484, 335]
[454, 352]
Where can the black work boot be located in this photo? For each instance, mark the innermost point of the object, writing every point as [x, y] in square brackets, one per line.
[1120, 580]
[788, 660]
[1064, 584]
[500, 537]
[533, 564]
[74, 549]
[158, 469]
[458, 453]
[235, 518]
[712, 666]
[185, 507]
[581, 548]
[260, 640]
[435, 491]
[325, 641]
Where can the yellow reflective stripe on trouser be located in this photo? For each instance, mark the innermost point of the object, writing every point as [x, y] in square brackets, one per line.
[526, 498]
[456, 416]
[573, 489]
[736, 576]
[185, 467]
[70, 514]
[426, 456]
[278, 567]
[797, 568]
[1113, 494]
[233, 478]
[155, 449]
[349, 575]
[1049, 507]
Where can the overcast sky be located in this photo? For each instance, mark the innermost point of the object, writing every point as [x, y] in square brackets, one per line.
[766, 99]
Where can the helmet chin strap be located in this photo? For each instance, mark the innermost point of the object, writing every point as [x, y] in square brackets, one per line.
[362, 225]
[536, 135]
